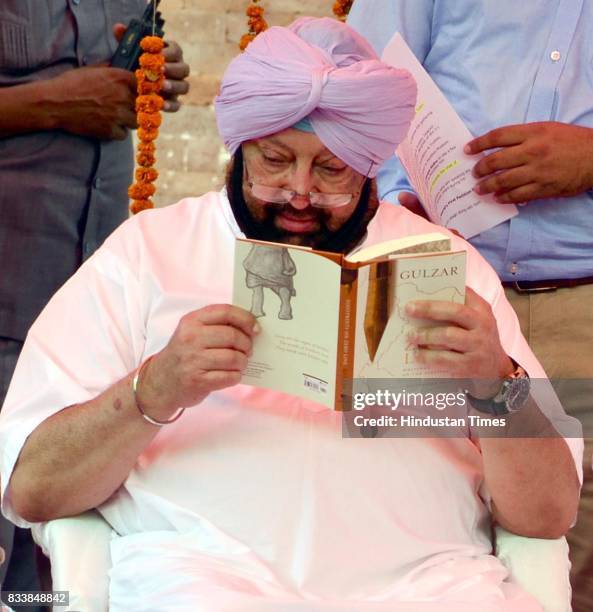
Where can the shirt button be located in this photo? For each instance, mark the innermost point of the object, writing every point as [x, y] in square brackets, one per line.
[555, 55]
[97, 183]
[514, 268]
[84, 60]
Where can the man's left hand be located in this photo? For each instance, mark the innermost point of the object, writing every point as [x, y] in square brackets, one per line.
[176, 71]
[533, 161]
[465, 343]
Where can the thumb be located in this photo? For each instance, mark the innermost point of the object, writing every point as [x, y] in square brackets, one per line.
[118, 31]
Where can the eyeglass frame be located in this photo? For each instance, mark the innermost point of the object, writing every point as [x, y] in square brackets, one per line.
[290, 194]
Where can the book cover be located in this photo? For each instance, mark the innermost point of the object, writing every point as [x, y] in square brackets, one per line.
[327, 318]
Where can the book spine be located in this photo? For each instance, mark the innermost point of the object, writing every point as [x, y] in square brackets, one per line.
[346, 335]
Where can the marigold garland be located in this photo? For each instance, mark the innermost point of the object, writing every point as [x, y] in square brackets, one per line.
[146, 175]
[150, 78]
[341, 8]
[256, 23]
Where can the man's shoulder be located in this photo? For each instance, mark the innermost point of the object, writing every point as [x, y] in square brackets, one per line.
[175, 228]
[393, 221]
[185, 210]
[183, 215]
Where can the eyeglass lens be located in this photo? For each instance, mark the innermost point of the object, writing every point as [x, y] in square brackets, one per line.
[277, 195]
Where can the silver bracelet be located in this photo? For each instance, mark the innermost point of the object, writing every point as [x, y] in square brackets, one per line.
[145, 416]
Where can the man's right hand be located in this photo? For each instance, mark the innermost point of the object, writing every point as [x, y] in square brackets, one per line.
[207, 352]
[96, 101]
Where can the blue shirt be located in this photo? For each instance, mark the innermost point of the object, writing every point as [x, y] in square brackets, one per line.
[502, 62]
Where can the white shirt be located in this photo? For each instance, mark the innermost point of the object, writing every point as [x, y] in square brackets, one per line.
[270, 501]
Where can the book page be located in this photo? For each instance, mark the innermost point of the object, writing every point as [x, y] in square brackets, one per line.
[295, 295]
[421, 243]
[381, 347]
[432, 155]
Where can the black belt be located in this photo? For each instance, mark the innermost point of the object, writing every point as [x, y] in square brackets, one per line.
[547, 285]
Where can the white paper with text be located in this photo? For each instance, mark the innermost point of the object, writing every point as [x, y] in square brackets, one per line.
[432, 154]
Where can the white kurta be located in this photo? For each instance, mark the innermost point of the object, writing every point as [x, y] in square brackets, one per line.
[253, 500]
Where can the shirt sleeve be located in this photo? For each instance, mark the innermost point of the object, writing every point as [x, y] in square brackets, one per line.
[90, 335]
[378, 21]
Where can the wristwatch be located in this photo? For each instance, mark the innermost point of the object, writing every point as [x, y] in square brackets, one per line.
[510, 398]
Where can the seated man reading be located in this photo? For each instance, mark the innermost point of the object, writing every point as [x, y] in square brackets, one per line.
[251, 499]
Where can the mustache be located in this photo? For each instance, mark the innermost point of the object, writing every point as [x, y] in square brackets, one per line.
[309, 213]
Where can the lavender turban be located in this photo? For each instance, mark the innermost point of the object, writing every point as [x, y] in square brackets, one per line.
[359, 107]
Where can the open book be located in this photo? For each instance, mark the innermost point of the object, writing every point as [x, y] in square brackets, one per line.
[327, 318]
[432, 155]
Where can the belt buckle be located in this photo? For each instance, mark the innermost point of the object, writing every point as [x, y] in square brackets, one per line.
[519, 289]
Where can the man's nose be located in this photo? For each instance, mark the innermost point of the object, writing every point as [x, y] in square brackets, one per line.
[302, 184]
[300, 201]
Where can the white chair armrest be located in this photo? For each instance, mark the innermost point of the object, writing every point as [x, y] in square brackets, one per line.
[540, 567]
[79, 551]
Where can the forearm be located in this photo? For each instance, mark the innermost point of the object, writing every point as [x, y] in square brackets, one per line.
[533, 480]
[94, 102]
[79, 457]
[23, 109]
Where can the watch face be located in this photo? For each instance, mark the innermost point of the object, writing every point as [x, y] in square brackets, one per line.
[517, 393]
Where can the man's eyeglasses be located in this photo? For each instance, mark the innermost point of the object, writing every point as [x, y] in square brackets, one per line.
[277, 195]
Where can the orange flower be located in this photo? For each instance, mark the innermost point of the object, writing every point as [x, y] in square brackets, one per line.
[254, 11]
[140, 205]
[152, 44]
[150, 103]
[152, 61]
[147, 134]
[146, 86]
[146, 147]
[141, 191]
[245, 40]
[261, 25]
[142, 76]
[341, 9]
[146, 159]
[149, 120]
[146, 175]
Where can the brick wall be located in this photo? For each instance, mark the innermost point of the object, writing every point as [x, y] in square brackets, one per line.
[191, 157]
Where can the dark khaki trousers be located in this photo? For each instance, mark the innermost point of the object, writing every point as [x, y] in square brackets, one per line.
[559, 328]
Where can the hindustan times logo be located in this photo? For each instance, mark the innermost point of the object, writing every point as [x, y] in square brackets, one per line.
[408, 399]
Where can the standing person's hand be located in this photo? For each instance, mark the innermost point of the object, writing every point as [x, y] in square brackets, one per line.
[97, 102]
[176, 72]
[533, 161]
[410, 201]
